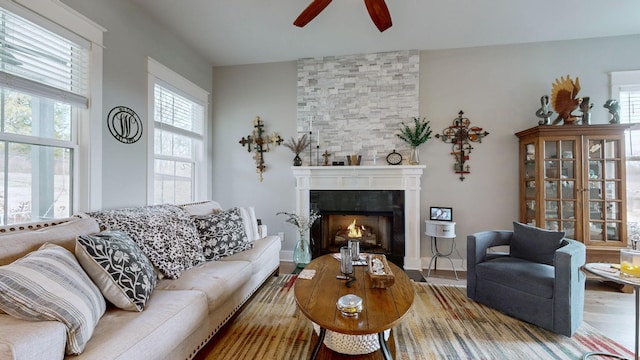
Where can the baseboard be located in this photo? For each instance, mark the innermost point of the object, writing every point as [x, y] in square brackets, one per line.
[286, 255]
[444, 264]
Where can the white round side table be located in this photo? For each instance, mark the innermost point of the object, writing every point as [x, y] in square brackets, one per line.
[441, 229]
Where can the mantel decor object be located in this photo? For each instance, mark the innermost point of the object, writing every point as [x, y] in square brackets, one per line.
[354, 160]
[259, 142]
[460, 135]
[297, 146]
[416, 136]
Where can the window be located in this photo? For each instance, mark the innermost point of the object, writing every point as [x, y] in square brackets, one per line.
[177, 170]
[44, 94]
[626, 88]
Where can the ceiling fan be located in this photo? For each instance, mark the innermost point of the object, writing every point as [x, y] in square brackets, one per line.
[377, 10]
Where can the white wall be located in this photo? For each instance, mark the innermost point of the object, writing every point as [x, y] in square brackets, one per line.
[240, 93]
[497, 87]
[131, 37]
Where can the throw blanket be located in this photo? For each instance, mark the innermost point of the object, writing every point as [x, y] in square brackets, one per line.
[165, 233]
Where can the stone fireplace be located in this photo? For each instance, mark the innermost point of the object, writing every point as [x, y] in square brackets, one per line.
[383, 200]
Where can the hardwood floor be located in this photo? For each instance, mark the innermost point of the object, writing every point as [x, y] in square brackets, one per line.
[605, 307]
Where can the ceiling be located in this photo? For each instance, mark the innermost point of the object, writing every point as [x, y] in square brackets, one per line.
[234, 32]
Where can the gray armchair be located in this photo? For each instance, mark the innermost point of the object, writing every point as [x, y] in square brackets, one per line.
[548, 295]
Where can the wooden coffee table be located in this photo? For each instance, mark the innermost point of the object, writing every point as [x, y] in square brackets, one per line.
[382, 308]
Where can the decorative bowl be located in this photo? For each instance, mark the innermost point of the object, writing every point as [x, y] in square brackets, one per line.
[379, 271]
[349, 305]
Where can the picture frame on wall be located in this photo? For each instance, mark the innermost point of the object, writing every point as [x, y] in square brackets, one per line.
[441, 213]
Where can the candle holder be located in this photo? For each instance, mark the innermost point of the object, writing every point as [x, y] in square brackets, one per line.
[346, 265]
[354, 246]
[350, 305]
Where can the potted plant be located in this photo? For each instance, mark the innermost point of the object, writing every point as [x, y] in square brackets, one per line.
[301, 253]
[415, 136]
[297, 146]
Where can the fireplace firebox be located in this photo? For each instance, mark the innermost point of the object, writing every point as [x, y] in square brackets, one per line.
[374, 217]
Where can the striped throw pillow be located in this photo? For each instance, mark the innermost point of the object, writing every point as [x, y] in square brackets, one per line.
[49, 284]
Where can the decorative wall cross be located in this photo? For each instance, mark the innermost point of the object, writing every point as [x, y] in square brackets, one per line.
[258, 142]
[460, 136]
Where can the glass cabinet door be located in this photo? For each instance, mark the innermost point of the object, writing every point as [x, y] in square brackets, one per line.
[560, 191]
[531, 189]
[604, 191]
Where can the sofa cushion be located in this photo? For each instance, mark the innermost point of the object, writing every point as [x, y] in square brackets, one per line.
[261, 256]
[165, 233]
[49, 284]
[523, 275]
[24, 339]
[217, 279]
[169, 319]
[116, 264]
[535, 244]
[16, 244]
[222, 234]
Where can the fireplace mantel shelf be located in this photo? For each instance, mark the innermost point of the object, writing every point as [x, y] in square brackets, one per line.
[344, 167]
[398, 177]
[383, 177]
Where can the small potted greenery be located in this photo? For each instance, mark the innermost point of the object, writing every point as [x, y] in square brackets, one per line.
[415, 136]
[297, 146]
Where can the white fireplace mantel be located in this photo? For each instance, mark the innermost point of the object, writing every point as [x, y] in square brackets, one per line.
[399, 177]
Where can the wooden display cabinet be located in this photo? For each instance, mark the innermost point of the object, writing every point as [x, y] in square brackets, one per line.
[572, 179]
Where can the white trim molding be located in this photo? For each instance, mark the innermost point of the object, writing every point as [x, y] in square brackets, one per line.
[402, 177]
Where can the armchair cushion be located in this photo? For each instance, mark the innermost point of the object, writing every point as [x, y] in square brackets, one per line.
[523, 275]
[535, 244]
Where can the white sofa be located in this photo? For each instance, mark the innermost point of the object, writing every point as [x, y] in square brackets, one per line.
[180, 317]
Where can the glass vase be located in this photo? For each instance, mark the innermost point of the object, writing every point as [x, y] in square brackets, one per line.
[302, 253]
[414, 156]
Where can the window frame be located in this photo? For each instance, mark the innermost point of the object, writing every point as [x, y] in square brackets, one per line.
[623, 81]
[87, 135]
[167, 78]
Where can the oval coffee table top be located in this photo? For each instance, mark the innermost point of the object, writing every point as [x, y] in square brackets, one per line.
[382, 308]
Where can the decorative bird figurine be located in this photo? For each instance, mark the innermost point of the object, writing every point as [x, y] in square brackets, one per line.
[564, 99]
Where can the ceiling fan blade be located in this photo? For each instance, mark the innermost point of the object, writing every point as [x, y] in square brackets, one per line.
[311, 12]
[379, 14]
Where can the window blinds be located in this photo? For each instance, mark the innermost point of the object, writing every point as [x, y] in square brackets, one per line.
[177, 111]
[36, 60]
[630, 104]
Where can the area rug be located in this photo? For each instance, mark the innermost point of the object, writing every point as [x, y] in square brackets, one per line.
[442, 324]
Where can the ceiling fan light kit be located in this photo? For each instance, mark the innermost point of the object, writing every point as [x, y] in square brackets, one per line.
[377, 9]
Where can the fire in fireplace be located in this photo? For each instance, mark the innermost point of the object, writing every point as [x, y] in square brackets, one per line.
[374, 217]
[372, 231]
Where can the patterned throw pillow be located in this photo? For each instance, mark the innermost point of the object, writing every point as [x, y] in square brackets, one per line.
[165, 233]
[49, 284]
[116, 264]
[222, 234]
